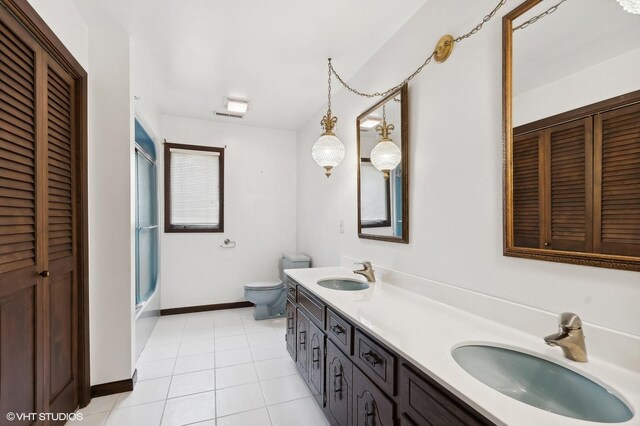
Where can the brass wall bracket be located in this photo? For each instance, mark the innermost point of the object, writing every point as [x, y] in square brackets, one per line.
[443, 49]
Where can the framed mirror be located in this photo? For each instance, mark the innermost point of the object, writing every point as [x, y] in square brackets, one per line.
[571, 109]
[383, 175]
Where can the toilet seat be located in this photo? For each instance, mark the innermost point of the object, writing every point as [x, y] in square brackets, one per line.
[264, 285]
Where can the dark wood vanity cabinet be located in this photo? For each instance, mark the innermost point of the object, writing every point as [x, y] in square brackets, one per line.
[291, 334]
[357, 380]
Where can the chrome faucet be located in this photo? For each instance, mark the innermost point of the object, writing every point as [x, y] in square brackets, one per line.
[366, 271]
[569, 337]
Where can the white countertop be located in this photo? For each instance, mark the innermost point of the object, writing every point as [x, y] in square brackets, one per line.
[425, 331]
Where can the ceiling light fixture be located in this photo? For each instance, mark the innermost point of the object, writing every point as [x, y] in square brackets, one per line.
[386, 155]
[328, 151]
[370, 122]
[631, 6]
[237, 105]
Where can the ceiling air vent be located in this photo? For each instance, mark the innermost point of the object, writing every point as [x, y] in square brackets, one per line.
[226, 114]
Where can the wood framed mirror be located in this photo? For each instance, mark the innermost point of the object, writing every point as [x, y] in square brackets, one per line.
[383, 198]
[571, 111]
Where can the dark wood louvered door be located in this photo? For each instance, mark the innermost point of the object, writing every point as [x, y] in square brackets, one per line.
[528, 157]
[61, 296]
[568, 186]
[22, 254]
[38, 214]
[617, 181]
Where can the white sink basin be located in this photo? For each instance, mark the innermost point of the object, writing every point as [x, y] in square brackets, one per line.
[541, 383]
[343, 284]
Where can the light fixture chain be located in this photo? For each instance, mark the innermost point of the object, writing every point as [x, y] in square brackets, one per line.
[477, 28]
[329, 83]
[538, 17]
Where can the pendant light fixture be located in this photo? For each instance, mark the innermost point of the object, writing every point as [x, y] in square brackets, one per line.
[386, 155]
[328, 151]
[631, 6]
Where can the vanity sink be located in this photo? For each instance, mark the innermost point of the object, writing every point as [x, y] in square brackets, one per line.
[344, 284]
[541, 383]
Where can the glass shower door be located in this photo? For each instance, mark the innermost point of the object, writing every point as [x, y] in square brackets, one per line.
[146, 228]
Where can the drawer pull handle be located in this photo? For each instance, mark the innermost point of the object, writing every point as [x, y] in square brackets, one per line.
[290, 323]
[337, 330]
[303, 342]
[369, 413]
[292, 290]
[315, 358]
[337, 383]
[371, 358]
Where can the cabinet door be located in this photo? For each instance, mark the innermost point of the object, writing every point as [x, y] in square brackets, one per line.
[528, 181]
[371, 406]
[302, 357]
[316, 363]
[339, 386]
[291, 330]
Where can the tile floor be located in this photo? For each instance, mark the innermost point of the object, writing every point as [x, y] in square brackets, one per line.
[212, 368]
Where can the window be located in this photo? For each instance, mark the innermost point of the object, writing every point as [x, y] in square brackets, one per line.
[194, 188]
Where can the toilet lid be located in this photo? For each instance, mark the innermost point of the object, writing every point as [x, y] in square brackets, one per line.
[264, 285]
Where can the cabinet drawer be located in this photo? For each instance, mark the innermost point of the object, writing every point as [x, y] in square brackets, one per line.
[340, 331]
[375, 361]
[312, 306]
[426, 402]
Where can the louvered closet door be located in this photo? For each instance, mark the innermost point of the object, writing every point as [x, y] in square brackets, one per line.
[62, 295]
[568, 183]
[21, 248]
[528, 157]
[617, 186]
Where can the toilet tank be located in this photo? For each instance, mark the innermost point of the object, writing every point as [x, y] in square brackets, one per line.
[294, 261]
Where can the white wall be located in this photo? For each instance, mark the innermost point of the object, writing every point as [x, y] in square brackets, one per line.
[259, 214]
[455, 180]
[613, 77]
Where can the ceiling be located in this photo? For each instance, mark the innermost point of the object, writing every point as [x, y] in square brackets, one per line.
[272, 53]
[580, 33]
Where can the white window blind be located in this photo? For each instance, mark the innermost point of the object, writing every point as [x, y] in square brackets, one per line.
[195, 188]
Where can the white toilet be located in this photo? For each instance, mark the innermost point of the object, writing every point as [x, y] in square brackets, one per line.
[269, 297]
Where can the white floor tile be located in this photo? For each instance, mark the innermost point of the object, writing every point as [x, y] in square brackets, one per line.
[258, 417]
[283, 389]
[262, 352]
[238, 399]
[95, 419]
[196, 347]
[144, 392]
[228, 321]
[190, 383]
[277, 367]
[155, 369]
[138, 415]
[231, 342]
[202, 334]
[229, 331]
[158, 353]
[164, 339]
[189, 409]
[197, 362]
[233, 357]
[199, 322]
[100, 404]
[235, 375]
[264, 338]
[295, 413]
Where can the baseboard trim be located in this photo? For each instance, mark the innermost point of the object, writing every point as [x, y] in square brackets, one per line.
[205, 308]
[114, 387]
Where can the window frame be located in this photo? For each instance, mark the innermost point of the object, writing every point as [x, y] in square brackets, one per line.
[168, 227]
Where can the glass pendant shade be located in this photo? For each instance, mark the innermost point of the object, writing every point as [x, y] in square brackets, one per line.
[328, 152]
[631, 6]
[386, 156]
